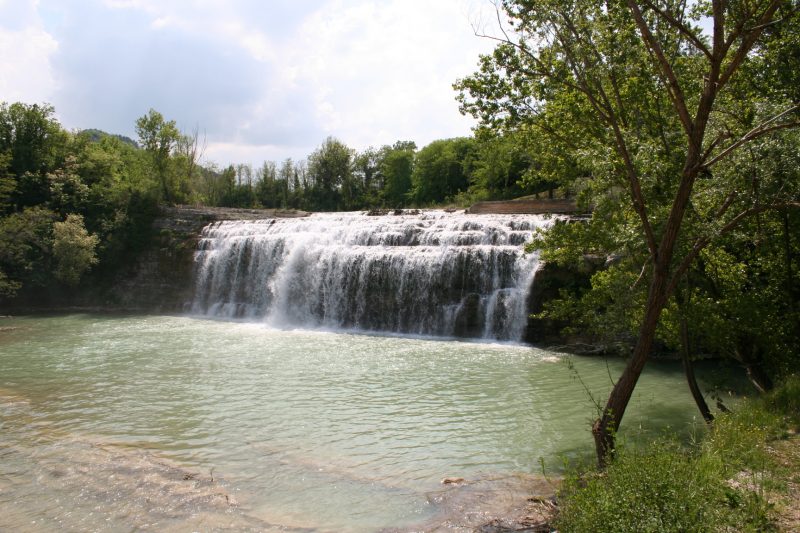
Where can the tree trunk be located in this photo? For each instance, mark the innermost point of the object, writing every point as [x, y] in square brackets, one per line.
[688, 370]
[686, 357]
[747, 352]
[605, 428]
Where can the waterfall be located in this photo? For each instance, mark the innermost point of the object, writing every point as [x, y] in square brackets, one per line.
[433, 273]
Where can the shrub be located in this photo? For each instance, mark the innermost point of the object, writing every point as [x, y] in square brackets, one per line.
[716, 485]
[785, 400]
[660, 488]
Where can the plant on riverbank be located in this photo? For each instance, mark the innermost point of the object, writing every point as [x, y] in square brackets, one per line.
[722, 483]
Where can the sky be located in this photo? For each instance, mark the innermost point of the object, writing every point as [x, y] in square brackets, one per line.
[259, 79]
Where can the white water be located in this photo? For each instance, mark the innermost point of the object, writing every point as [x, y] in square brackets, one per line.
[434, 273]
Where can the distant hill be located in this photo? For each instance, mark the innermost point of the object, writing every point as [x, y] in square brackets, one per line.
[95, 135]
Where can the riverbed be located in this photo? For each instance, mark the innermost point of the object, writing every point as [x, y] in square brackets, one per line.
[173, 423]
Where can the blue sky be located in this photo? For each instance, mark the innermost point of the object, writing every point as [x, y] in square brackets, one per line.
[264, 80]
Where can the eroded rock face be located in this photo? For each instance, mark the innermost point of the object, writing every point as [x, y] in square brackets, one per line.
[549, 281]
[161, 278]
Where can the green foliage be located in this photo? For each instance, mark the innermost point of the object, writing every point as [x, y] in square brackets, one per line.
[125, 231]
[502, 161]
[659, 489]
[25, 244]
[366, 177]
[784, 400]
[739, 439]
[73, 249]
[8, 287]
[32, 137]
[718, 484]
[276, 186]
[576, 85]
[442, 169]
[330, 170]
[159, 137]
[102, 188]
[32, 144]
[8, 183]
[396, 166]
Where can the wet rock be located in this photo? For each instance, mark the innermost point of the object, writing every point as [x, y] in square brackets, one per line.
[493, 505]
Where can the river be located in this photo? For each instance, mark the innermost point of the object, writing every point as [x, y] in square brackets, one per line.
[177, 423]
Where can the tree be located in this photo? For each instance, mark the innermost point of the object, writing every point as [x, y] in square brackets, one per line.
[514, 163]
[8, 184]
[73, 249]
[366, 171]
[25, 246]
[267, 189]
[653, 106]
[396, 168]
[189, 149]
[227, 181]
[330, 168]
[32, 144]
[287, 177]
[442, 169]
[158, 137]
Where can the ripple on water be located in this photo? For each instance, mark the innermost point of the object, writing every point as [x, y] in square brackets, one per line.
[122, 420]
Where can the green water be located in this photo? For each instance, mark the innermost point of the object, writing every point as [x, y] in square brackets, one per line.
[176, 423]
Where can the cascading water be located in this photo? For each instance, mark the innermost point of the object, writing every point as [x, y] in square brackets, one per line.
[434, 273]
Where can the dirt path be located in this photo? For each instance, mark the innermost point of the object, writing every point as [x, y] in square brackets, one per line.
[787, 502]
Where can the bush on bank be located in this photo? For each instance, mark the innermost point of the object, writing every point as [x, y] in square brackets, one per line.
[717, 484]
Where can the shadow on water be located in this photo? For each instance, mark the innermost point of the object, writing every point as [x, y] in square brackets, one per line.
[669, 414]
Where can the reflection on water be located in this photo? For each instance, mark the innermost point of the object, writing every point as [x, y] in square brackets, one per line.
[178, 423]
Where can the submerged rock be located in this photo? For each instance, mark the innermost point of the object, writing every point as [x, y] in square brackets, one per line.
[492, 505]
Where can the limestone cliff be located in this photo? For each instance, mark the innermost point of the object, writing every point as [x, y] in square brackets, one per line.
[160, 280]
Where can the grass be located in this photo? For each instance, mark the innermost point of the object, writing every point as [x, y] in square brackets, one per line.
[724, 482]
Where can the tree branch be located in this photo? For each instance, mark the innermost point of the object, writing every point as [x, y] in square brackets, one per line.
[726, 204]
[676, 94]
[543, 71]
[641, 274]
[762, 129]
[747, 42]
[682, 28]
[713, 145]
[702, 242]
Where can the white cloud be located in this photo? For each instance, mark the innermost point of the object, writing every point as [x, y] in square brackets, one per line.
[265, 80]
[225, 153]
[383, 71]
[26, 49]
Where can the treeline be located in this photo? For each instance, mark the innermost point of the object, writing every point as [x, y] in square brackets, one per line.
[71, 202]
[335, 177]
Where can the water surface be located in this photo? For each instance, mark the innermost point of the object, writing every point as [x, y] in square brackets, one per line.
[178, 423]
